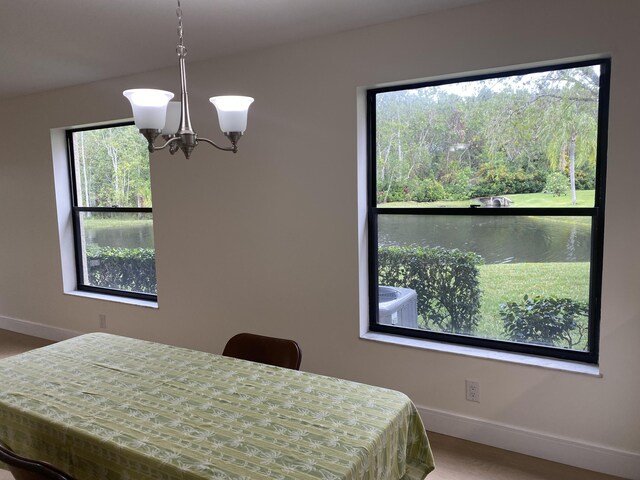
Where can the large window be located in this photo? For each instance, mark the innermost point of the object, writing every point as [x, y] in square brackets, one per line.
[111, 208]
[486, 209]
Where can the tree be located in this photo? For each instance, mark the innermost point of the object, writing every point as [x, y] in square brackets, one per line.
[571, 100]
[520, 127]
[113, 167]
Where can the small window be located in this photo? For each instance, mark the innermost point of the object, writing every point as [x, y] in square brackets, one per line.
[112, 211]
[486, 209]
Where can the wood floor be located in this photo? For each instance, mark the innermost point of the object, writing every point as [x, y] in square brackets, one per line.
[455, 459]
[461, 460]
[13, 343]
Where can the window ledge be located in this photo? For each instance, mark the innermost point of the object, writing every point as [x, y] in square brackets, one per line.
[487, 354]
[114, 298]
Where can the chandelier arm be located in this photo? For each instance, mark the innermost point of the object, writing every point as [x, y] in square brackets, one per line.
[165, 145]
[233, 148]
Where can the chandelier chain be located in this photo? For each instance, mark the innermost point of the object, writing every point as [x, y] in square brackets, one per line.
[180, 49]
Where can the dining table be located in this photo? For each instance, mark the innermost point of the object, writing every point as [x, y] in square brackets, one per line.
[104, 406]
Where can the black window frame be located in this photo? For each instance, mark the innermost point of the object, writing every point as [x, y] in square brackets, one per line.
[76, 211]
[596, 213]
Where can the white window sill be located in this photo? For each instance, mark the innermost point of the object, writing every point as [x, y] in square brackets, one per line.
[114, 298]
[487, 354]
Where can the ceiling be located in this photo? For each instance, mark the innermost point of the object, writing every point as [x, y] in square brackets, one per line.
[47, 44]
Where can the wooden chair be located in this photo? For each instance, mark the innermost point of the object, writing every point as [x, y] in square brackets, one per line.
[26, 469]
[280, 352]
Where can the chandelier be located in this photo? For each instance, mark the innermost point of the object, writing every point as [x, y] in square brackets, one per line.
[155, 115]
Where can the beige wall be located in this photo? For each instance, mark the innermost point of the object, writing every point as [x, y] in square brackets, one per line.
[267, 240]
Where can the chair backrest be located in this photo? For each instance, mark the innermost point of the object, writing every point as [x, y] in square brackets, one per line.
[26, 469]
[280, 352]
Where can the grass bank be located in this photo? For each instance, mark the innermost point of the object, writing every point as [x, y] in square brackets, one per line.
[584, 198]
[504, 283]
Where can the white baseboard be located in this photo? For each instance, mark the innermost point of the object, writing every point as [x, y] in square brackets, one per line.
[549, 447]
[40, 330]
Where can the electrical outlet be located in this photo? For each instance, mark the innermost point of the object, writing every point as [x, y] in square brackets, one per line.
[103, 320]
[473, 391]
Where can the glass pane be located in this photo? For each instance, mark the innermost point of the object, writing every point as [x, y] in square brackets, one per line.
[515, 278]
[518, 141]
[118, 251]
[112, 168]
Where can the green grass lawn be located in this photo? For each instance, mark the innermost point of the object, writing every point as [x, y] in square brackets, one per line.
[510, 282]
[585, 198]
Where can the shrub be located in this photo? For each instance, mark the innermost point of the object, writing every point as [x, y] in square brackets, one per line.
[498, 180]
[458, 184]
[427, 190]
[129, 269]
[397, 191]
[559, 322]
[415, 189]
[527, 182]
[585, 180]
[446, 283]
[557, 184]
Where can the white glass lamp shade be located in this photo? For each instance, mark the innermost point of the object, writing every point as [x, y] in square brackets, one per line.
[232, 112]
[149, 107]
[172, 123]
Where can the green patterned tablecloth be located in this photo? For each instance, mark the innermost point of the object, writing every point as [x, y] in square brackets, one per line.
[107, 407]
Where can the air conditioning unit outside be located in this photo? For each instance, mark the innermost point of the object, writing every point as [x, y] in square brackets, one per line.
[397, 306]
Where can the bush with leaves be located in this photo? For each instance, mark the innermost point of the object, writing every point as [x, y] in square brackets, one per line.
[413, 190]
[395, 191]
[426, 190]
[446, 283]
[557, 184]
[585, 179]
[129, 269]
[497, 179]
[457, 183]
[559, 322]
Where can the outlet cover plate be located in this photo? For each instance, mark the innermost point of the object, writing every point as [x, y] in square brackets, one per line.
[473, 390]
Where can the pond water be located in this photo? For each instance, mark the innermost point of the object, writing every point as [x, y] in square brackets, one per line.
[498, 239]
[130, 236]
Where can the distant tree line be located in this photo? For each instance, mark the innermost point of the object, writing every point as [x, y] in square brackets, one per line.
[498, 136]
[112, 167]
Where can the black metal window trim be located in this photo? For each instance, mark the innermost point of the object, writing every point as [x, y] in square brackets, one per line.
[75, 215]
[596, 213]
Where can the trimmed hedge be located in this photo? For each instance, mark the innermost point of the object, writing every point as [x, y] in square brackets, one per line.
[129, 269]
[446, 283]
